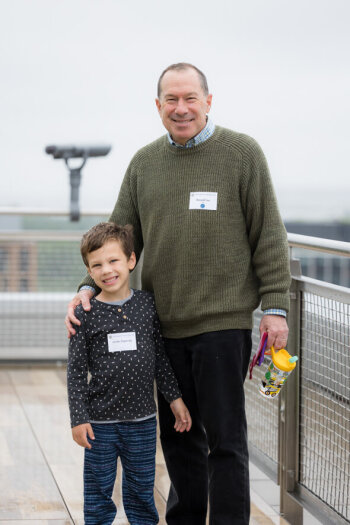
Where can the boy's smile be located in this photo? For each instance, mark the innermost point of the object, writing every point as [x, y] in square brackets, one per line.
[111, 280]
[109, 267]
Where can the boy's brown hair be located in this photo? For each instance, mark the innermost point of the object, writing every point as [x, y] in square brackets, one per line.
[98, 235]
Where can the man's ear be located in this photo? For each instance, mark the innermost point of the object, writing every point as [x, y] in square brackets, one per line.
[158, 104]
[209, 101]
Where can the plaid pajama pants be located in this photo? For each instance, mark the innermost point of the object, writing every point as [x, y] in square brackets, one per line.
[135, 443]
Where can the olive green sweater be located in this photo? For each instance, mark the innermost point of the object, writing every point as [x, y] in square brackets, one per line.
[208, 269]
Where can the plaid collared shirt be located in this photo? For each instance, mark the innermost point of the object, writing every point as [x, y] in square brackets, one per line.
[203, 135]
[275, 311]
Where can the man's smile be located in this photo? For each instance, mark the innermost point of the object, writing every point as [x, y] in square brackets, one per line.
[182, 121]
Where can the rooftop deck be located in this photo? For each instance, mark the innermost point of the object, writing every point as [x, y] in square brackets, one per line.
[41, 467]
[300, 440]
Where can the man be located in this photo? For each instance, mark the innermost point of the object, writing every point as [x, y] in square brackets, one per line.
[203, 208]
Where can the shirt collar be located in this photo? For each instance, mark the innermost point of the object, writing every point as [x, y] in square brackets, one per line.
[202, 136]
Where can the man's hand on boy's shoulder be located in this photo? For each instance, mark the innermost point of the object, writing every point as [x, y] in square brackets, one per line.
[82, 297]
[80, 434]
[183, 420]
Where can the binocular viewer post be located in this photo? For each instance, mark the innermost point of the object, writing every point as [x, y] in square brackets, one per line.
[76, 152]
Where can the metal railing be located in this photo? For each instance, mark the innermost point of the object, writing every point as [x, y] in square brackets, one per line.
[39, 274]
[301, 439]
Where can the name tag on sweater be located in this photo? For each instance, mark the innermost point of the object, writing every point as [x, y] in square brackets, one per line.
[122, 342]
[203, 200]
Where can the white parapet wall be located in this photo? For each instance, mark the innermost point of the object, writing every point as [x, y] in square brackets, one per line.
[32, 325]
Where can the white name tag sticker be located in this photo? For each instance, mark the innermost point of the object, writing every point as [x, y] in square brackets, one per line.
[122, 342]
[203, 200]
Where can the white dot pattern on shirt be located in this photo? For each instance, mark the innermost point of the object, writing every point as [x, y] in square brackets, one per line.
[121, 385]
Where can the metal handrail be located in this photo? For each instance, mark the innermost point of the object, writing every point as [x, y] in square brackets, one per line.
[9, 210]
[329, 246]
[318, 244]
[40, 235]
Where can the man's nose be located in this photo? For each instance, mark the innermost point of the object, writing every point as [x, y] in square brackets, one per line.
[181, 108]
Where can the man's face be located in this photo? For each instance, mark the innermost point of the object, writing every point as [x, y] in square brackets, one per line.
[182, 104]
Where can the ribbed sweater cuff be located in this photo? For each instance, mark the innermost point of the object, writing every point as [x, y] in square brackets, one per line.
[275, 300]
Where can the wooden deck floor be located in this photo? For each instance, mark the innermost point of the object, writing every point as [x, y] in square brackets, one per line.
[41, 466]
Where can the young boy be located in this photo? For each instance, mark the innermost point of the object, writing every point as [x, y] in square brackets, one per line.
[114, 414]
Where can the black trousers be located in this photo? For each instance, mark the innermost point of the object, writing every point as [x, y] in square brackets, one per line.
[212, 458]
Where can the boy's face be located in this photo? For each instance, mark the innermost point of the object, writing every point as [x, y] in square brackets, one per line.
[109, 267]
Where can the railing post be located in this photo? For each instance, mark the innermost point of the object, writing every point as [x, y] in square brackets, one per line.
[289, 415]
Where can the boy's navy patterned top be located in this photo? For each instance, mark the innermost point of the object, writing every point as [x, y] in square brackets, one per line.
[121, 384]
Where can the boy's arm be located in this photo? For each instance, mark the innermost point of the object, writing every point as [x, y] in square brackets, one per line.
[167, 383]
[165, 377]
[77, 375]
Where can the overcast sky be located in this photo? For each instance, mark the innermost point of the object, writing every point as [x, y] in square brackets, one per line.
[86, 71]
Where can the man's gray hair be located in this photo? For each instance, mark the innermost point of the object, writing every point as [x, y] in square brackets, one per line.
[180, 67]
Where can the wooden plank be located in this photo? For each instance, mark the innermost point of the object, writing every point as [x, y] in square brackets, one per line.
[37, 522]
[27, 487]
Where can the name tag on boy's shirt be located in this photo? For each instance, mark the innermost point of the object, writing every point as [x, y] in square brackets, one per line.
[203, 200]
[122, 342]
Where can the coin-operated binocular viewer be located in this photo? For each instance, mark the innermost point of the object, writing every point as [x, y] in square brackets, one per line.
[76, 152]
